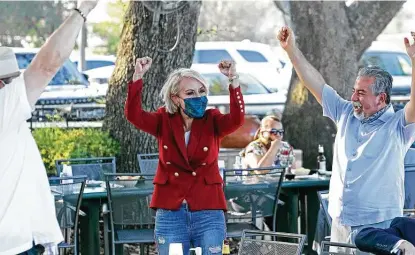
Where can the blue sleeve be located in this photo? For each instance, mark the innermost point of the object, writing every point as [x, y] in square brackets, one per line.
[333, 105]
[407, 131]
[377, 241]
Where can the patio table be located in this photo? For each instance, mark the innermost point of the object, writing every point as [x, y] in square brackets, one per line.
[294, 192]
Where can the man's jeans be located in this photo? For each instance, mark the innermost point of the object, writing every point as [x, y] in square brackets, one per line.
[205, 229]
[346, 234]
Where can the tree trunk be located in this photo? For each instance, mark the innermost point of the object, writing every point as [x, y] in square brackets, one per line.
[140, 38]
[332, 37]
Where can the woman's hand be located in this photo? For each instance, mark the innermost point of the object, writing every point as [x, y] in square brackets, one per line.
[228, 68]
[142, 65]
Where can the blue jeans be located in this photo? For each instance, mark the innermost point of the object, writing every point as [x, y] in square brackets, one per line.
[205, 229]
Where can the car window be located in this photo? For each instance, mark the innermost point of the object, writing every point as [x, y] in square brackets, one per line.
[397, 64]
[219, 85]
[210, 56]
[98, 63]
[67, 74]
[253, 56]
[92, 64]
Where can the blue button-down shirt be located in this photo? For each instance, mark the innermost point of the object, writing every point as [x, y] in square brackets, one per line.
[367, 183]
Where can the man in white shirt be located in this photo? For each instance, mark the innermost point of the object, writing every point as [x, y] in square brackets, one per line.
[27, 212]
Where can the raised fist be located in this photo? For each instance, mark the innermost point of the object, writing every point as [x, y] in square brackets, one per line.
[142, 65]
[228, 68]
[286, 37]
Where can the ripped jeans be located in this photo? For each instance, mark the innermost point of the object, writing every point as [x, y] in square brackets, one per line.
[205, 229]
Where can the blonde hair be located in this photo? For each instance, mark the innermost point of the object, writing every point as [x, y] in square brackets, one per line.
[270, 117]
[171, 86]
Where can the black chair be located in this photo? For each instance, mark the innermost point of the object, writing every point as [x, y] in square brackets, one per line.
[148, 163]
[254, 243]
[328, 248]
[68, 192]
[93, 168]
[130, 218]
[247, 202]
[228, 156]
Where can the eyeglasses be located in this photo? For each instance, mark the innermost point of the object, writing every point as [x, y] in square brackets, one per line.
[275, 131]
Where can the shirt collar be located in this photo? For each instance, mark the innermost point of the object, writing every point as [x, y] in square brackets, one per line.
[383, 114]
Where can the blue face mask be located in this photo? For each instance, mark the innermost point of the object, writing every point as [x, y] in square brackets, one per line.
[195, 107]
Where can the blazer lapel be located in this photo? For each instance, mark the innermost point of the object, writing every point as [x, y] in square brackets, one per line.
[195, 133]
[176, 124]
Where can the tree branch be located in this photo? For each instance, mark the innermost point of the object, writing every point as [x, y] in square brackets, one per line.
[368, 19]
[284, 7]
[280, 7]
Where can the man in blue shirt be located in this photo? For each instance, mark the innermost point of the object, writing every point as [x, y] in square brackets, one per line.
[367, 183]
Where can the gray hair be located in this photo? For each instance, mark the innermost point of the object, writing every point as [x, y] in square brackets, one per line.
[171, 86]
[383, 80]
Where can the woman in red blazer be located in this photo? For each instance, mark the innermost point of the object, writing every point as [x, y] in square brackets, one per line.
[188, 194]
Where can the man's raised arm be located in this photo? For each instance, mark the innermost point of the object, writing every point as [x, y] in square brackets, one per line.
[309, 76]
[54, 52]
[410, 108]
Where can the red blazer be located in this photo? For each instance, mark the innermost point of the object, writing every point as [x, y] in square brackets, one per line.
[191, 172]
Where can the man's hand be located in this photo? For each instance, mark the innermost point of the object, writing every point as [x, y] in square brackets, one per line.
[286, 37]
[142, 65]
[407, 248]
[86, 6]
[410, 48]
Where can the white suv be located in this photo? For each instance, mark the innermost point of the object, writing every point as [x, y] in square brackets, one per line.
[257, 59]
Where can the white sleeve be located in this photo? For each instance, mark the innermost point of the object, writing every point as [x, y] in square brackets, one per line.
[14, 104]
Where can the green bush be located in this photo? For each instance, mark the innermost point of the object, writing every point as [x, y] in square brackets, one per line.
[58, 143]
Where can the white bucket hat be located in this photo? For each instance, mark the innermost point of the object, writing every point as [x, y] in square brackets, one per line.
[8, 63]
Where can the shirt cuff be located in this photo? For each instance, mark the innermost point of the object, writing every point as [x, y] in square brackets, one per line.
[395, 248]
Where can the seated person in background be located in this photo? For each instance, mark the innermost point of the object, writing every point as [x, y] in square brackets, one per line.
[399, 236]
[268, 149]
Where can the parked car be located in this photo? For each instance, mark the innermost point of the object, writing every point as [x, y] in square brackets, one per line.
[259, 100]
[100, 75]
[94, 61]
[67, 77]
[67, 88]
[396, 61]
[257, 59]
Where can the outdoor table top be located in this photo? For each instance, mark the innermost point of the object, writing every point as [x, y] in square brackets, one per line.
[232, 186]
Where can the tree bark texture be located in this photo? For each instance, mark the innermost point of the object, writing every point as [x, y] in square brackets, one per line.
[142, 37]
[332, 37]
